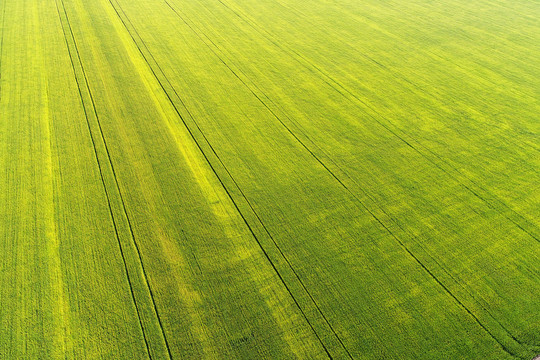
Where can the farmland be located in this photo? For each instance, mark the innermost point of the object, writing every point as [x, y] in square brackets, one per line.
[246, 179]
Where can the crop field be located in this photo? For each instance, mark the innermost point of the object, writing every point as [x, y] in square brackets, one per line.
[277, 179]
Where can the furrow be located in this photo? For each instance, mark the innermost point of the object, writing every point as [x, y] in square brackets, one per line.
[266, 254]
[114, 221]
[84, 105]
[362, 204]
[349, 95]
[253, 24]
[244, 196]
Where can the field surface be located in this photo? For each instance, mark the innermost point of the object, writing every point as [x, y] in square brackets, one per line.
[248, 179]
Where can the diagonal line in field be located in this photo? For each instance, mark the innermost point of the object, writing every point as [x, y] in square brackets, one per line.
[104, 186]
[354, 182]
[386, 228]
[114, 221]
[245, 197]
[362, 204]
[424, 267]
[391, 128]
[253, 24]
[225, 187]
[342, 182]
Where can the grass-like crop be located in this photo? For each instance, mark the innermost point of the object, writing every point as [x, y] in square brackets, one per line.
[269, 179]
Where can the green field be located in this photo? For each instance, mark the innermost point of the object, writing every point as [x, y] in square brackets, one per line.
[248, 179]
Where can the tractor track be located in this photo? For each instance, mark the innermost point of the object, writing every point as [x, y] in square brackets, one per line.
[521, 222]
[114, 221]
[358, 200]
[220, 179]
[402, 244]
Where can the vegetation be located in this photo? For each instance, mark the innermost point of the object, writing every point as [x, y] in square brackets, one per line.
[269, 179]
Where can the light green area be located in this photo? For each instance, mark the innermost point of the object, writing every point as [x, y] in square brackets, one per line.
[269, 179]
